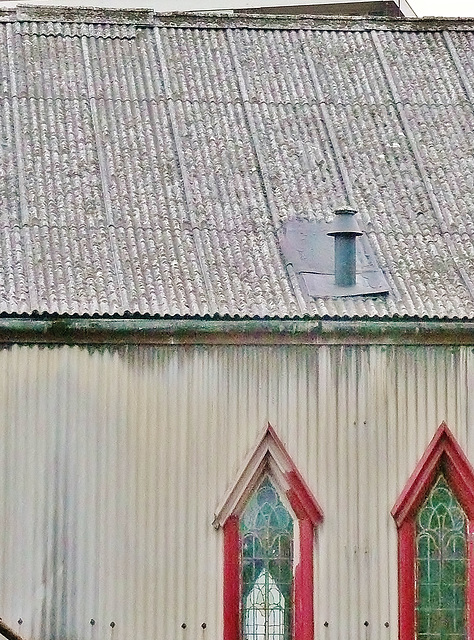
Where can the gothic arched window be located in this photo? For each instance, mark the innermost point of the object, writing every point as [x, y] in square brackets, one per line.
[435, 518]
[441, 564]
[268, 518]
[266, 531]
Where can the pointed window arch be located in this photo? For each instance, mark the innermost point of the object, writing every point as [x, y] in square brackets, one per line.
[435, 520]
[268, 519]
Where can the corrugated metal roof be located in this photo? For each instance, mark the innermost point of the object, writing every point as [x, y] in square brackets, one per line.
[147, 164]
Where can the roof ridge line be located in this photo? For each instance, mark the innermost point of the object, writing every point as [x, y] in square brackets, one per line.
[147, 17]
[84, 15]
[309, 22]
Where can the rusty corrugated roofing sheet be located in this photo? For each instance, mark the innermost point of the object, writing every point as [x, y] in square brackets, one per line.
[148, 162]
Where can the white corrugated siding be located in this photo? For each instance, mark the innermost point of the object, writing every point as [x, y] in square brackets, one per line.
[113, 461]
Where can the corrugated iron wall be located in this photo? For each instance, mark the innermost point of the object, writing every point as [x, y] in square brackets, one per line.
[113, 461]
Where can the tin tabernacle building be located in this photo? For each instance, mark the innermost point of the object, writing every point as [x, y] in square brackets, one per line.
[237, 303]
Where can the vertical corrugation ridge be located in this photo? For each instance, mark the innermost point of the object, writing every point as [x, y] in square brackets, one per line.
[330, 130]
[10, 42]
[444, 224]
[296, 288]
[265, 180]
[109, 485]
[458, 64]
[266, 184]
[225, 177]
[338, 157]
[156, 249]
[120, 288]
[182, 168]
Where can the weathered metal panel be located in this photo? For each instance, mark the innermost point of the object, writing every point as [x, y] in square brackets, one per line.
[311, 250]
[146, 170]
[113, 461]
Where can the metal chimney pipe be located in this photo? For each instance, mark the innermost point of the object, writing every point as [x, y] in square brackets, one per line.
[345, 231]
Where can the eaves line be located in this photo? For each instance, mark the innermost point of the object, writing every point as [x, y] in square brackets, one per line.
[127, 331]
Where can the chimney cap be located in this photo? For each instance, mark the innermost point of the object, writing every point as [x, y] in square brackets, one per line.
[344, 224]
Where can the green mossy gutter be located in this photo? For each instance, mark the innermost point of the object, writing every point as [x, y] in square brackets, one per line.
[199, 331]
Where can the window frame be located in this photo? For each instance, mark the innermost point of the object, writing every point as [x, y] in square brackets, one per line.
[443, 455]
[270, 458]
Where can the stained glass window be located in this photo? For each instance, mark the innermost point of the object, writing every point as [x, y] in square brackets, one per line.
[266, 528]
[441, 564]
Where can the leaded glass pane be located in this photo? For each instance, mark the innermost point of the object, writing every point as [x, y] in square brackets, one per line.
[266, 529]
[441, 566]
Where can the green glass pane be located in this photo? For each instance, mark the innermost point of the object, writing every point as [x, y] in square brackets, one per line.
[441, 566]
[266, 529]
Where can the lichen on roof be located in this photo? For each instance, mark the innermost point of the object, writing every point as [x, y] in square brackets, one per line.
[149, 160]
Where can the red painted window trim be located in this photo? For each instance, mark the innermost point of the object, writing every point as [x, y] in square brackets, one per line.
[231, 579]
[443, 454]
[308, 514]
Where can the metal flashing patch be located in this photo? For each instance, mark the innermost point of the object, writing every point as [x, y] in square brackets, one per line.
[310, 250]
